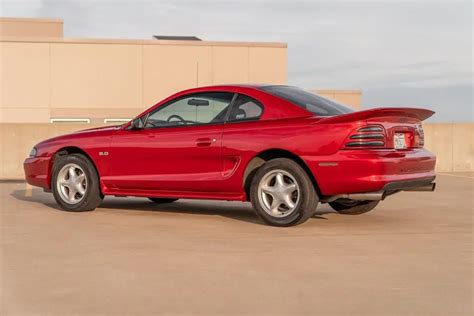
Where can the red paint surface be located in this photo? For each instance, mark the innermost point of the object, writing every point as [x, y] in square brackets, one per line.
[182, 162]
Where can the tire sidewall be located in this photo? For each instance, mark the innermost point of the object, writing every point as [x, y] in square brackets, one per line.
[308, 199]
[92, 194]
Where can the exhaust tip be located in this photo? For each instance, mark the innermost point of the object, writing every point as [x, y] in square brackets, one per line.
[429, 187]
[369, 196]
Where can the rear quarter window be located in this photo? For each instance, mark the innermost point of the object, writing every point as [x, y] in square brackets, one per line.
[314, 103]
[245, 108]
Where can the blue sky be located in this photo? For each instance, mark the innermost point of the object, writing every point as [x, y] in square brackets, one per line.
[399, 53]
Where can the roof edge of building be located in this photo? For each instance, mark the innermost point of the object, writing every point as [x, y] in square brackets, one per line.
[31, 20]
[139, 42]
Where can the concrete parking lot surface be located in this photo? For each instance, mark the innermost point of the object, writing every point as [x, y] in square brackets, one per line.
[413, 255]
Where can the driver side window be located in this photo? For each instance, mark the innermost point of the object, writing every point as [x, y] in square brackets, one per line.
[195, 109]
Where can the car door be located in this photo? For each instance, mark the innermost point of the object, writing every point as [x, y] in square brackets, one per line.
[239, 142]
[179, 148]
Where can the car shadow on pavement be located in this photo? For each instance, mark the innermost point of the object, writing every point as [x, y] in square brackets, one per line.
[241, 212]
[35, 196]
[233, 210]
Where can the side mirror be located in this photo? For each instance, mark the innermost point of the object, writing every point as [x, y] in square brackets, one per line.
[136, 124]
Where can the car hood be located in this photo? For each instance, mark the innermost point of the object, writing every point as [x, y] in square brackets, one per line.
[90, 132]
[99, 129]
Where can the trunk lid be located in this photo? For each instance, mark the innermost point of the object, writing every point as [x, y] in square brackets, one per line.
[383, 128]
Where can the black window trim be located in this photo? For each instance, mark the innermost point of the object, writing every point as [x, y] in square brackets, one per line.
[234, 94]
[258, 103]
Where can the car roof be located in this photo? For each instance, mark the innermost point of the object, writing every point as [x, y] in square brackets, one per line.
[232, 86]
[280, 109]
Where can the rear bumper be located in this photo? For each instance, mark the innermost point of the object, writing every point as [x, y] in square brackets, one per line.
[36, 171]
[388, 189]
[427, 184]
[357, 171]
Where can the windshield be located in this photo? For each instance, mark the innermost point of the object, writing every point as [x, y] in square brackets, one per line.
[309, 101]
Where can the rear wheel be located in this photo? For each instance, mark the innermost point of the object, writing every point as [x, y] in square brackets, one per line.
[75, 183]
[161, 200]
[353, 207]
[282, 193]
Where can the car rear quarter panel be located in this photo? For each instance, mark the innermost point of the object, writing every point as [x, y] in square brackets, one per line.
[313, 143]
[320, 146]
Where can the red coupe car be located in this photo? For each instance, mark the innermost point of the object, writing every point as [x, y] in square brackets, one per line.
[280, 147]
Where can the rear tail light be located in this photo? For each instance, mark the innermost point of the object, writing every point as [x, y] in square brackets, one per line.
[370, 136]
[371, 128]
[421, 134]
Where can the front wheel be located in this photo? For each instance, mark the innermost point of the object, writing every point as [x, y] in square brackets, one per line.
[353, 207]
[282, 193]
[75, 183]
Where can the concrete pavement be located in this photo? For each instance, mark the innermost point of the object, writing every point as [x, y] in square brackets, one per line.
[411, 256]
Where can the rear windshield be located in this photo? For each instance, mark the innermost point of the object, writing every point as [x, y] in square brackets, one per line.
[309, 101]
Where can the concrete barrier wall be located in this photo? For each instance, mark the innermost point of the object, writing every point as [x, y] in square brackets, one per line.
[452, 143]
[17, 140]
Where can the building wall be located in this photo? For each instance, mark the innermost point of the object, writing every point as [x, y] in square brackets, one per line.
[99, 79]
[454, 150]
[27, 27]
[453, 144]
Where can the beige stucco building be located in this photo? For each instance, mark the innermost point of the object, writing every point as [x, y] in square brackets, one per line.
[45, 76]
[28, 27]
[49, 83]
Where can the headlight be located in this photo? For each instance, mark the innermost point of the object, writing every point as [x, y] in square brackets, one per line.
[33, 152]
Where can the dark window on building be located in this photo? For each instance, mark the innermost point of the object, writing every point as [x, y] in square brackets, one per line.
[176, 38]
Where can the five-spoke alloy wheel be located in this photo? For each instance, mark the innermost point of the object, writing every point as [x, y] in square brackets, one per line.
[75, 183]
[71, 183]
[278, 193]
[282, 193]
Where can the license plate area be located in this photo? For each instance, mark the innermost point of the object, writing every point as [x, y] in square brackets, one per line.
[399, 141]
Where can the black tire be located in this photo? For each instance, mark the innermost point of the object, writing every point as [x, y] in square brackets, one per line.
[162, 200]
[352, 207]
[307, 200]
[92, 196]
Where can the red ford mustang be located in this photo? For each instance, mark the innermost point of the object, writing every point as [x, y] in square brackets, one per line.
[282, 148]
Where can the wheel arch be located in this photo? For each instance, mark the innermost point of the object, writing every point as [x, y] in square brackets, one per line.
[258, 160]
